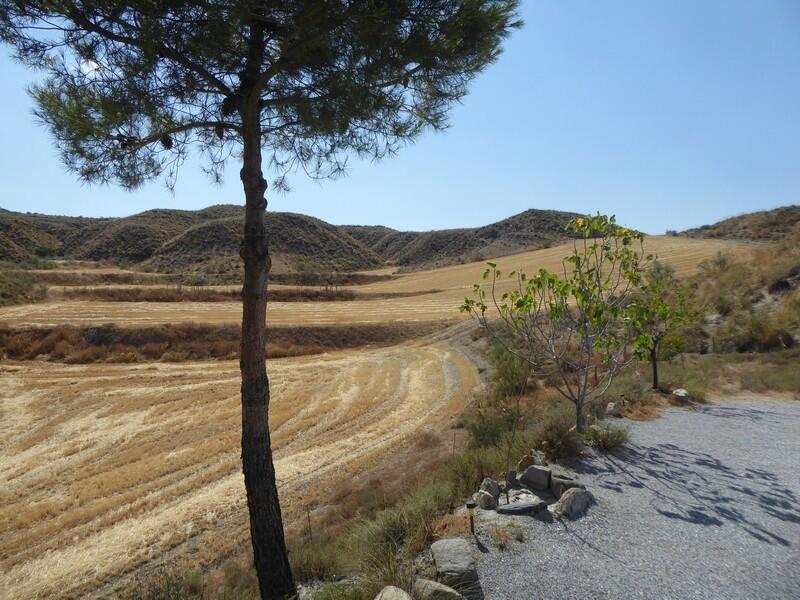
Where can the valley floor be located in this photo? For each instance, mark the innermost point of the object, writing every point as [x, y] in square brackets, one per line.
[704, 504]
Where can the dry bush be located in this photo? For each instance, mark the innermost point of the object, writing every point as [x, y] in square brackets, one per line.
[83, 278]
[500, 536]
[174, 343]
[606, 436]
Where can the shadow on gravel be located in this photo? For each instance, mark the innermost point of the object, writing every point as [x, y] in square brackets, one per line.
[696, 487]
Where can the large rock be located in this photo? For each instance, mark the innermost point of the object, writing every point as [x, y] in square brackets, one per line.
[572, 504]
[538, 457]
[511, 480]
[455, 565]
[485, 500]
[535, 457]
[525, 507]
[525, 462]
[613, 409]
[425, 589]
[560, 483]
[535, 477]
[392, 593]
[681, 395]
[491, 486]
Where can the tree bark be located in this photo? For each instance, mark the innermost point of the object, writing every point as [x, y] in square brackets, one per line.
[654, 362]
[266, 524]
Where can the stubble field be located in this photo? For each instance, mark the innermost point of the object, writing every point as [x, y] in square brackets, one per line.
[105, 468]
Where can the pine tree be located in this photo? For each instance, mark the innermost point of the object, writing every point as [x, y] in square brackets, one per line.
[131, 87]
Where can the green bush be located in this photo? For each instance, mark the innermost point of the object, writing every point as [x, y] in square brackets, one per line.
[607, 436]
[488, 430]
[554, 434]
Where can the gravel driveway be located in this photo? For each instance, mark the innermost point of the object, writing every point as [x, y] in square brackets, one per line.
[704, 504]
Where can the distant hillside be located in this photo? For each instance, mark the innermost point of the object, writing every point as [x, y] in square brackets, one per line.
[762, 226]
[207, 241]
[301, 242]
[528, 230]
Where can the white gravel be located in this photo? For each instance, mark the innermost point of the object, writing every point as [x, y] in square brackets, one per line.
[704, 504]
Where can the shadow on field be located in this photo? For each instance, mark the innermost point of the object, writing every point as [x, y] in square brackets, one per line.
[698, 488]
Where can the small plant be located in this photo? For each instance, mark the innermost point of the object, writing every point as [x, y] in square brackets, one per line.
[556, 434]
[517, 532]
[500, 536]
[607, 437]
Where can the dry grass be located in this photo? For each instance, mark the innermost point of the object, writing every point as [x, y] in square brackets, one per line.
[201, 294]
[134, 462]
[183, 342]
[455, 282]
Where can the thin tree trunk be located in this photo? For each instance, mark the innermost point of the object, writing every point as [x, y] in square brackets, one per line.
[266, 524]
[654, 361]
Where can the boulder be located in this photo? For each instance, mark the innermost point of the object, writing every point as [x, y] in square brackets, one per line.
[612, 409]
[425, 589]
[572, 504]
[525, 507]
[511, 480]
[525, 462]
[485, 500]
[538, 457]
[455, 564]
[491, 486]
[392, 593]
[560, 483]
[681, 395]
[535, 477]
[535, 457]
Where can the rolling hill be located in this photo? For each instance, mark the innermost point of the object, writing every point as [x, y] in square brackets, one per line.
[207, 241]
[762, 226]
[525, 231]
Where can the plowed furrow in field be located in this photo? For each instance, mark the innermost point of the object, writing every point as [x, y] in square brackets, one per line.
[104, 468]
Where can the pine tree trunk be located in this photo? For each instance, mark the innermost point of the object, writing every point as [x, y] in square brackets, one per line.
[266, 524]
[654, 361]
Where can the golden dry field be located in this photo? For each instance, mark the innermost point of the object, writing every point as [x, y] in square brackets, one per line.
[105, 468]
[454, 282]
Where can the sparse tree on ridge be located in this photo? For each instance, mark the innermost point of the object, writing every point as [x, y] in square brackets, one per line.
[572, 327]
[131, 87]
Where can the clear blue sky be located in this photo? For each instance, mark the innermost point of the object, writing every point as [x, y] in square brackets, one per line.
[669, 113]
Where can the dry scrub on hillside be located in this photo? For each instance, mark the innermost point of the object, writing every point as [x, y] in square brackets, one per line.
[198, 294]
[175, 343]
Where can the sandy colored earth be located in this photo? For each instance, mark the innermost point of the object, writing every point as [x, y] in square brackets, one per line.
[454, 282]
[106, 467]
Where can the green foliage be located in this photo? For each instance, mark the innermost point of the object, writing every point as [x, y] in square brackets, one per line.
[555, 433]
[606, 436]
[17, 287]
[571, 327]
[658, 309]
[510, 372]
[130, 88]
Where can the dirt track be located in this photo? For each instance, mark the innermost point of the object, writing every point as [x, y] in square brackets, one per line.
[106, 467]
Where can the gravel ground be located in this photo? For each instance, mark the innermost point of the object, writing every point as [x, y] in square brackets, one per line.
[705, 503]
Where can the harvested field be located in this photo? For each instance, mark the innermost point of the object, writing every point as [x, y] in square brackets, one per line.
[177, 343]
[231, 294]
[455, 282]
[134, 462]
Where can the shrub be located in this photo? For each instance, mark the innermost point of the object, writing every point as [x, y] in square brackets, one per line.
[555, 434]
[607, 436]
[488, 430]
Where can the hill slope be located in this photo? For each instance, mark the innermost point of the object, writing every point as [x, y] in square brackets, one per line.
[761, 226]
[526, 231]
[207, 240]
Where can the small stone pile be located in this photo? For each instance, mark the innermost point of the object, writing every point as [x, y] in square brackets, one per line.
[534, 489]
